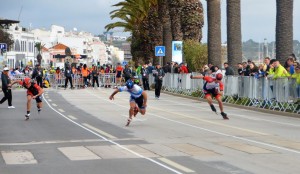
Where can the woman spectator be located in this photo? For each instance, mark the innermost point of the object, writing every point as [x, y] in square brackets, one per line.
[261, 71]
[253, 69]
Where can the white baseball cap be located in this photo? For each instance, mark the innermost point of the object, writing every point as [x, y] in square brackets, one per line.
[5, 69]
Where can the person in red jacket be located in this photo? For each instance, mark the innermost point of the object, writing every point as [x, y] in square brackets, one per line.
[213, 87]
[34, 91]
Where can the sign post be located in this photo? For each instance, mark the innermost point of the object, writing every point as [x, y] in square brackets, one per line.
[160, 51]
[3, 47]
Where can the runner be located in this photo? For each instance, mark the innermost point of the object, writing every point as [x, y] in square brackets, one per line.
[213, 87]
[137, 101]
[34, 91]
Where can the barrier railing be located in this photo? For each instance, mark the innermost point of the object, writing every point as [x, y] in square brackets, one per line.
[281, 94]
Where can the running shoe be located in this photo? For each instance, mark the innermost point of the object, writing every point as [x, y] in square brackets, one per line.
[11, 107]
[213, 108]
[128, 122]
[224, 115]
[27, 117]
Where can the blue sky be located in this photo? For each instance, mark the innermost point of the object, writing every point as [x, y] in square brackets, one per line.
[258, 16]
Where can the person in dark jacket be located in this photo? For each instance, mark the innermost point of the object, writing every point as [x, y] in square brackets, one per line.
[145, 77]
[68, 76]
[158, 78]
[127, 73]
[37, 74]
[6, 88]
[228, 69]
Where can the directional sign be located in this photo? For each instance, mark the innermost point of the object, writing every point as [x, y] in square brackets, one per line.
[124, 63]
[3, 46]
[160, 51]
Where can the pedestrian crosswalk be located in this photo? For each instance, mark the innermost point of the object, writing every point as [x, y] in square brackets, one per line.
[102, 152]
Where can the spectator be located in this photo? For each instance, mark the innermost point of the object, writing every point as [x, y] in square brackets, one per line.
[289, 64]
[127, 73]
[253, 69]
[183, 69]
[145, 77]
[280, 71]
[158, 78]
[228, 69]
[6, 88]
[95, 75]
[176, 68]
[68, 76]
[119, 72]
[205, 70]
[267, 63]
[261, 71]
[38, 75]
[240, 69]
[246, 69]
[150, 68]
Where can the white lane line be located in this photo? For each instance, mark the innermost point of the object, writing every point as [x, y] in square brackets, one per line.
[212, 131]
[99, 131]
[18, 157]
[72, 117]
[176, 165]
[228, 135]
[113, 142]
[238, 115]
[61, 110]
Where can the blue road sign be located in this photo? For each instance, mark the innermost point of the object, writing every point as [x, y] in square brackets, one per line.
[3, 46]
[160, 51]
[124, 63]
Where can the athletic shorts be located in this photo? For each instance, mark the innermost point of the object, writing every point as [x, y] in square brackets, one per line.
[139, 101]
[119, 73]
[38, 99]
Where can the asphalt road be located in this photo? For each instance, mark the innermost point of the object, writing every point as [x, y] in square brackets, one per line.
[82, 131]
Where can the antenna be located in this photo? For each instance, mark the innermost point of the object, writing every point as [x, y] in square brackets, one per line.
[20, 13]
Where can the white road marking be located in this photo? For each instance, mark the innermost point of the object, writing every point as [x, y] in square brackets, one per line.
[61, 110]
[53, 104]
[72, 117]
[176, 165]
[212, 131]
[99, 131]
[78, 153]
[18, 157]
[49, 100]
[113, 142]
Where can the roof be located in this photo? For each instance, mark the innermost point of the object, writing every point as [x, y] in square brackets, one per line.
[6, 22]
[59, 47]
[44, 49]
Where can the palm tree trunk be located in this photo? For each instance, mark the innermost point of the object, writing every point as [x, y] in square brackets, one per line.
[167, 32]
[284, 29]
[214, 32]
[175, 7]
[234, 34]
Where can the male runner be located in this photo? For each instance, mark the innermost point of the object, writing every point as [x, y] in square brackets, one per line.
[137, 97]
[34, 91]
[213, 87]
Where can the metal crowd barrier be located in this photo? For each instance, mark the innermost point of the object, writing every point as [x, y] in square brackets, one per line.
[282, 94]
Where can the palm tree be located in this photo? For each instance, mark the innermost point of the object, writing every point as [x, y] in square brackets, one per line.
[234, 34]
[167, 32]
[39, 47]
[214, 32]
[175, 7]
[192, 20]
[284, 29]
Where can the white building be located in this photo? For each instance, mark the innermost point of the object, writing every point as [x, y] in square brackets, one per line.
[23, 50]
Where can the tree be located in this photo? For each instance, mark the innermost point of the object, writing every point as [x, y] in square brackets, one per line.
[175, 7]
[214, 32]
[6, 38]
[167, 32]
[284, 29]
[192, 20]
[39, 47]
[196, 54]
[234, 34]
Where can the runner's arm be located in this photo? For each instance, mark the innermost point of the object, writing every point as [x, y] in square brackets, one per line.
[196, 77]
[111, 97]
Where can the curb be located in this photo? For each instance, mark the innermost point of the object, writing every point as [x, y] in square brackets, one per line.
[279, 113]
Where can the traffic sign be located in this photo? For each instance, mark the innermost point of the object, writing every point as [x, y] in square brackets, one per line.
[124, 63]
[3, 46]
[160, 51]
